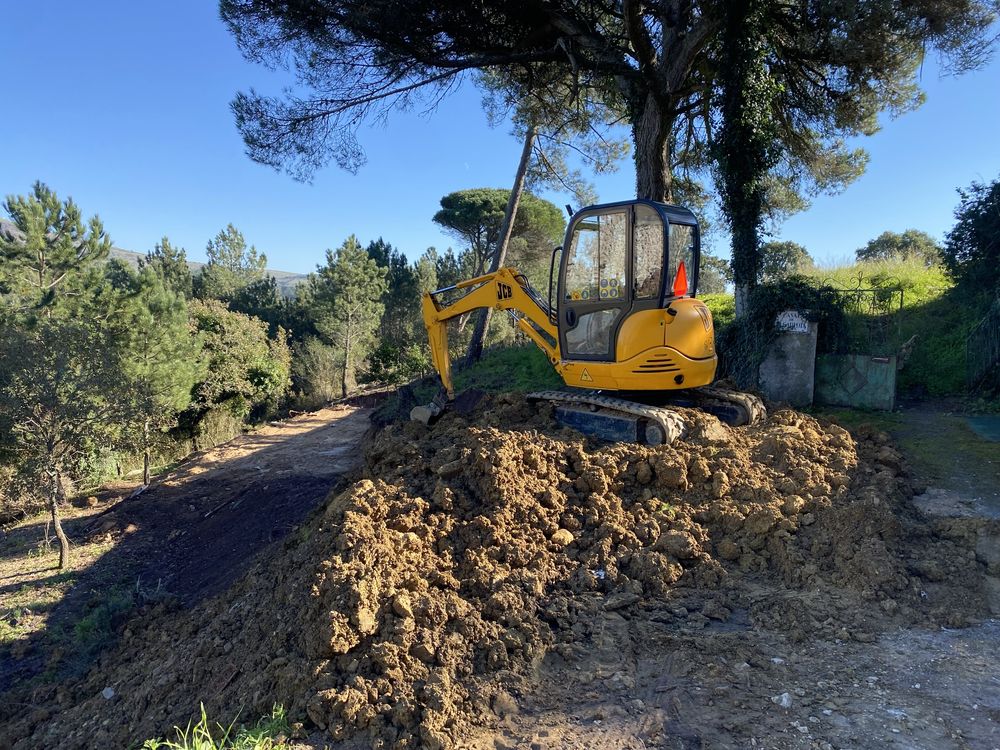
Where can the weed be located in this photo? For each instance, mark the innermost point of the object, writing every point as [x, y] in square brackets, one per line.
[268, 733]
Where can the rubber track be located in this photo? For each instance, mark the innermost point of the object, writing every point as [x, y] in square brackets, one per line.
[670, 421]
[751, 404]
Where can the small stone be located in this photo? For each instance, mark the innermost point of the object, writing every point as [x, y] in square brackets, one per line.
[720, 484]
[562, 538]
[366, 621]
[423, 652]
[715, 611]
[504, 704]
[402, 607]
[784, 700]
[108, 693]
[679, 544]
[792, 505]
[451, 469]
[808, 519]
[727, 549]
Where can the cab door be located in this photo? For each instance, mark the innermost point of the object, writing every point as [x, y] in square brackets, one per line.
[594, 285]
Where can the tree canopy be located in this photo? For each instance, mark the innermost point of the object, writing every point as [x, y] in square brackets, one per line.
[972, 248]
[171, 264]
[781, 259]
[231, 265]
[50, 247]
[911, 244]
[346, 296]
[834, 68]
[475, 216]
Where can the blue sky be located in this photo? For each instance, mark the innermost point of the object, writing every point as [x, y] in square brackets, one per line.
[125, 107]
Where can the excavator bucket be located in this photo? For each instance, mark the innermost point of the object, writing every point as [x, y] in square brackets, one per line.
[428, 414]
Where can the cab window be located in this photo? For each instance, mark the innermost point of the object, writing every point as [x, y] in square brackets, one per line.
[595, 266]
[647, 245]
[682, 247]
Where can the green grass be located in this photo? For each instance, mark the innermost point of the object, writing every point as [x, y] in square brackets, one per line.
[919, 283]
[515, 368]
[937, 314]
[941, 447]
[268, 733]
[933, 312]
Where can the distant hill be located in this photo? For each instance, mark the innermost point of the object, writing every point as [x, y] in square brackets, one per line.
[286, 280]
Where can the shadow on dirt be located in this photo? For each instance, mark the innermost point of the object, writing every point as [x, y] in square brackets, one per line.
[187, 537]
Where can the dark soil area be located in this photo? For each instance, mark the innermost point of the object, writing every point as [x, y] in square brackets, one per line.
[193, 532]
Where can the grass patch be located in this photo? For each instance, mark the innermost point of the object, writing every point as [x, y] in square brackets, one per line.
[268, 733]
[943, 450]
[514, 368]
[919, 283]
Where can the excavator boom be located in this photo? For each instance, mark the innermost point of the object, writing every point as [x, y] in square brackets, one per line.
[505, 289]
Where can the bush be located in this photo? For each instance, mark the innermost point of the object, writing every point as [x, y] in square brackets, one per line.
[247, 371]
[743, 344]
[317, 371]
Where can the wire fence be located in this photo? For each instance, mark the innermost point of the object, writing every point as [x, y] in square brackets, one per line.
[982, 347]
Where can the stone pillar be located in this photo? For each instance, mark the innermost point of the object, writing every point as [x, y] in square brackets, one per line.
[788, 372]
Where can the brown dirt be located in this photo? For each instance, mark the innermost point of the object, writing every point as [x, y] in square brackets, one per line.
[498, 581]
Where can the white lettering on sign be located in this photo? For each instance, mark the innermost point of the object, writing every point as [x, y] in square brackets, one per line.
[791, 321]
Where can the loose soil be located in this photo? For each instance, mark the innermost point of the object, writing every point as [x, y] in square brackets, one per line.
[188, 536]
[500, 581]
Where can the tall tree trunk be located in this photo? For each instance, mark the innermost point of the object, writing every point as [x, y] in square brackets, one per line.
[745, 151]
[506, 230]
[56, 523]
[145, 452]
[650, 132]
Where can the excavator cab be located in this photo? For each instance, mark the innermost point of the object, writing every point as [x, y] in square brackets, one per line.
[625, 307]
[620, 259]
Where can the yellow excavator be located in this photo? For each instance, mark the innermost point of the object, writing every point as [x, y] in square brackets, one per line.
[621, 318]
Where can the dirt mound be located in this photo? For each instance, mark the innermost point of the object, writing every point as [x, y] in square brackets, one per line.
[424, 598]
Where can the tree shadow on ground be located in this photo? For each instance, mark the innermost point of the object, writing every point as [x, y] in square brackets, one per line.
[187, 537]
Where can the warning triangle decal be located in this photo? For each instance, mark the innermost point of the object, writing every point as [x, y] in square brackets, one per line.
[585, 376]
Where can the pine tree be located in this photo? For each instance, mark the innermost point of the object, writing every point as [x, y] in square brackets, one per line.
[48, 250]
[347, 297]
[171, 264]
[231, 265]
[161, 359]
[60, 396]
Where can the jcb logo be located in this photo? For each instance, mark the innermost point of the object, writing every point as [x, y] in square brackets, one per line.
[504, 291]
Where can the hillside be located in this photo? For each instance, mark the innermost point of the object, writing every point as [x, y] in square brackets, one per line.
[287, 281]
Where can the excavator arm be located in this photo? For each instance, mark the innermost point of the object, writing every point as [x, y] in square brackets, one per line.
[505, 289]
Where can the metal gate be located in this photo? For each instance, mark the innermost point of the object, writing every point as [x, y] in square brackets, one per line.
[982, 347]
